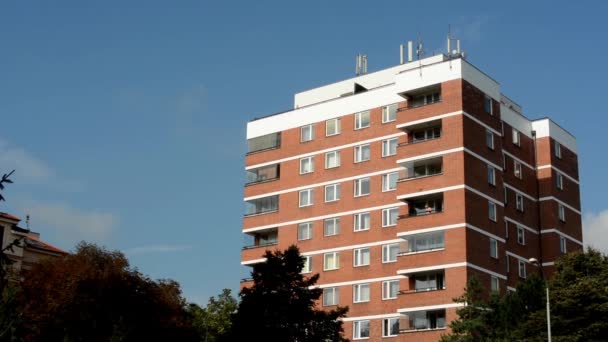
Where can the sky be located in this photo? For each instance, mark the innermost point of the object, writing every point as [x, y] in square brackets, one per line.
[125, 120]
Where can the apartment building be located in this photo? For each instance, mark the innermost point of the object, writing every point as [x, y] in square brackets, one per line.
[400, 185]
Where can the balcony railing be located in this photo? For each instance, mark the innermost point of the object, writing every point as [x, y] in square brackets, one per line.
[417, 141]
[406, 178]
[261, 244]
[414, 106]
[427, 289]
[420, 212]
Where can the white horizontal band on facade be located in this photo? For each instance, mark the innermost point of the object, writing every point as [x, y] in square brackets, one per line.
[532, 230]
[428, 192]
[351, 247]
[482, 124]
[432, 118]
[485, 270]
[366, 318]
[431, 229]
[344, 213]
[479, 193]
[518, 160]
[481, 231]
[509, 288]
[550, 263]
[431, 307]
[355, 282]
[333, 181]
[431, 268]
[497, 167]
[335, 148]
[518, 257]
[506, 185]
[253, 261]
[430, 155]
[553, 198]
[572, 179]
[553, 230]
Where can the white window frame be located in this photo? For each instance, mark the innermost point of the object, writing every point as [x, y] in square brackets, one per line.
[386, 111]
[492, 211]
[506, 196]
[491, 175]
[311, 194]
[386, 216]
[357, 293]
[386, 253]
[519, 202]
[386, 289]
[359, 155]
[559, 180]
[562, 245]
[494, 248]
[335, 224]
[558, 150]
[494, 284]
[516, 137]
[336, 188]
[304, 137]
[521, 269]
[386, 147]
[336, 263]
[489, 139]
[561, 212]
[357, 329]
[336, 155]
[311, 163]
[335, 296]
[359, 256]
[517, 170]
[521, 235]
[358, 186]
[386, 185]
[306, 227]
[488, 105]
[307, 268]
[358, 221]
[387, 324]
[337, 128]
[359, 119]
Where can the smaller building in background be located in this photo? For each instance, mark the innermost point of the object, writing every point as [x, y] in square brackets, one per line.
[31, 251]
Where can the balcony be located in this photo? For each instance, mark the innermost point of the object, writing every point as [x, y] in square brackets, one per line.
[425, 282]
[266, 238]
[418, 321]
[424, 205]
[263, 174]
[264, 143]
[422, 97]
[421, 169]
[421, 243]
[262, 205]
[422, 132]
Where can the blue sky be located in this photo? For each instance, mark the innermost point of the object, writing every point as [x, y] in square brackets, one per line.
[126, 120]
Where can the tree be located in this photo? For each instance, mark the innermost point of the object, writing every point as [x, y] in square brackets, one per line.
[94, 295]
[281, 305]
[213, 322]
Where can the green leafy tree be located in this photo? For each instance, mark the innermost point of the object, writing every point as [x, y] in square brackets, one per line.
[213, 322]
[471, 324]
[281, 306]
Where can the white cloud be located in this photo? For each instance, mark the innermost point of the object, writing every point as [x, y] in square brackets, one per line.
[70, 223]
[469, 29]
[157, 249]
[595, 230]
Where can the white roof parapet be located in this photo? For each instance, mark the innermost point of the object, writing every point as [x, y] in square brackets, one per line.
[547, 128]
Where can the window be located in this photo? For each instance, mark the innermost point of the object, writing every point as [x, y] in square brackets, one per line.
[331, 226]
[390, 289]
[519, 202]
[361, 293]
[389, 147]
[389, 217]
[491, 175]
[263, 173]
[492, 211]
[305, 231]
[331, 261]
[495, 284]
[361, 257]
[362, 221]
[521, 235]
[390, 327]
[425, 99]
[265, 142]
[517, 169]
[390, 252]
[559, 181]
[521, 269]
[331, 296]
[561, 212]
[504, 162]
[389, 113]
[362, 153]
[306, 197]
[307, 165]
[489, 139]
[360, 330]
[389, 181]
[262, 205]
[426, 134]
[562, 244]
[493, 248]
[362, 120]
[425, 242]
[307, 133]
[432, 281]
[332, 159]
[516, 137]
[508, 262]
[361, 186]
[332, 192]
[332, 127]
[506, 229]
[488, 105]
[506, 196]
[307, 264]
[558, 150]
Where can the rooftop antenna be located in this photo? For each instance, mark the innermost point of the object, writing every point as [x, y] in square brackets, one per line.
[419, 53]
[27, 221]
[361, 67]
[453, 53]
